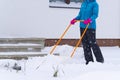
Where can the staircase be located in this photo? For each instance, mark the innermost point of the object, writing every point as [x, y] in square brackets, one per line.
[15, 47]
[21, 44]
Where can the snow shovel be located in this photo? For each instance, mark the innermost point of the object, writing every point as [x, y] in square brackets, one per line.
[51, 52]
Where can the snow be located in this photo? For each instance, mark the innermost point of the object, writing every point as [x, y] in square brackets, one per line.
[43, 68]
[20, 44]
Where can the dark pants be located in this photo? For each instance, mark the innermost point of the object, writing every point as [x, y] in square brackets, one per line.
[90, 45]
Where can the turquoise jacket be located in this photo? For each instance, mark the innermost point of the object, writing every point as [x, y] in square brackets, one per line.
[89, 9]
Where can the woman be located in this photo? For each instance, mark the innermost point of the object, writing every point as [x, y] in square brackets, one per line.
[89, 12]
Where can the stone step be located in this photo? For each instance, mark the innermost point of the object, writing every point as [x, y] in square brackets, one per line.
[21, 44]
[22, 40]
[23, 55]
[20, 49]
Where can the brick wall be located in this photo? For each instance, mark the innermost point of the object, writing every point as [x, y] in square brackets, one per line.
[72, 42]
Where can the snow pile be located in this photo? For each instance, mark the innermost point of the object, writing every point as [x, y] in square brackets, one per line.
[63, 67]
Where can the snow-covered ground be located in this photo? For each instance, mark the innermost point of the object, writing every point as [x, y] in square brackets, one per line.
[66, 68]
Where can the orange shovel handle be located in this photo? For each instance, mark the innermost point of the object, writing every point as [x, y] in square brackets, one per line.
[51, 52]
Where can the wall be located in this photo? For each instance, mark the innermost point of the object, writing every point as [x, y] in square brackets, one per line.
[109, 19]
[34, 18]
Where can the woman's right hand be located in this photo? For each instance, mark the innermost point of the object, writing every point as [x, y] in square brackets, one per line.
[73, 21]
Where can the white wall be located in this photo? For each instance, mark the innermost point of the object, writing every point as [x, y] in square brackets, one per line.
[34, 18]
[109, 19]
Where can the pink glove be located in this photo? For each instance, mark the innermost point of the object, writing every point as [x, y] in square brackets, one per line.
[73, 21]
[87, 21]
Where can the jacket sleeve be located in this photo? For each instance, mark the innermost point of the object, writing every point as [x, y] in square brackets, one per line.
[95, 12]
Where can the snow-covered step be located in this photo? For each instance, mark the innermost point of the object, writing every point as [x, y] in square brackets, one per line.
[21, 55]
[20, 47]
[21, 44]
[22, 40]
